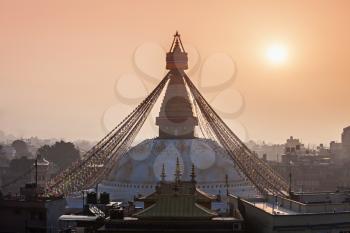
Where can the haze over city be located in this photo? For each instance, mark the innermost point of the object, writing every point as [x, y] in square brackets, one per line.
[174, 116]
[59, 62]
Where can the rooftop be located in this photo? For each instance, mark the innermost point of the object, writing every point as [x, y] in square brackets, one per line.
[273, 209]
[310, 203]
[174, 206]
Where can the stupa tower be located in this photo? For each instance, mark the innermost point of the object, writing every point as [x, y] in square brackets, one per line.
[176, 119]
[134, 170]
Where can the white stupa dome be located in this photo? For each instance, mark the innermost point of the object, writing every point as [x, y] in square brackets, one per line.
[138, 171]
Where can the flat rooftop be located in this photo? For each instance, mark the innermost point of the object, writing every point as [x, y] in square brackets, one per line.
[273, 209]
[311, 203]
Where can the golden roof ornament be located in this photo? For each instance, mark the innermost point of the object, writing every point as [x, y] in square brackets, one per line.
[177, 171]
[163, 175]
[193, 174]
[176, 58]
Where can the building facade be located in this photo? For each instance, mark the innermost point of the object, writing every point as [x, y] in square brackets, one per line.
[29, 213]
[312, 213]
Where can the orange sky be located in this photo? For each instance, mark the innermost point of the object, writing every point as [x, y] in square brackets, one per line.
[59, 61]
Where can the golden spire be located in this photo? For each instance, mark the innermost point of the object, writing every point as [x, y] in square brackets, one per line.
[226, 184]
[193, 174]
[163, 175]
[177, 171]
[176, 58]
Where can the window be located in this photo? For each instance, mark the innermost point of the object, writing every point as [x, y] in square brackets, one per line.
[17, 211]
[33, 215]
[42, 216]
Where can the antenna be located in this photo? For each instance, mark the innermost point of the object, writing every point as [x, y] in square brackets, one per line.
[36, 171]
[193, 174]
[226, 184]
[228, 209]
[290, 181]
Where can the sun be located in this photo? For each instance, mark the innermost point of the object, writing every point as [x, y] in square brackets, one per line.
[277, 53]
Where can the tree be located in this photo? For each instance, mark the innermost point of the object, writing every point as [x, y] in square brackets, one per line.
[18, 174]
[61, 153]
[3, 159]
[2, 136]
[20, 165]
[21, 149]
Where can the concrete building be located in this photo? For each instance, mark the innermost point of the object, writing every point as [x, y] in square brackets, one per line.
[294, 146]
[272, 152]
[311, 212]
[345, 140]
[336, 149]
[320, 169]
[341, 150]
[29, 213]
[41, 172]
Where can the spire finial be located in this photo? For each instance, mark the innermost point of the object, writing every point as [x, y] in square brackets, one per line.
[177, 170]
[176, 46]
[226, 184]
[176, 58]
[163, 175]
[193, 173]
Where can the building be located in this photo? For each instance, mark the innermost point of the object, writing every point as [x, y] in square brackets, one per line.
[17, 175]
[309, 170]
[294, 146]
[137, 173]
[41, 172]
[177, 206]
[341, 150]
[345, 140]
[272, 152]
[319, 169]
[174, 206]
[336, 149]
[29, 213]
[308, 212]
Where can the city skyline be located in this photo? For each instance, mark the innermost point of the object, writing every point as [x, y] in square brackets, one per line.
[59, 63]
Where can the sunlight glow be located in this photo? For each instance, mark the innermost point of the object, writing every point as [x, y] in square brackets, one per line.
[277, 53]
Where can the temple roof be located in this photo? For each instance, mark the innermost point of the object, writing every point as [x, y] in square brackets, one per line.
[198, 194]
[176, 206]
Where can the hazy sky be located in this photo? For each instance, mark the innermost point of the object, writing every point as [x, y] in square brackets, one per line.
[59, 61]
